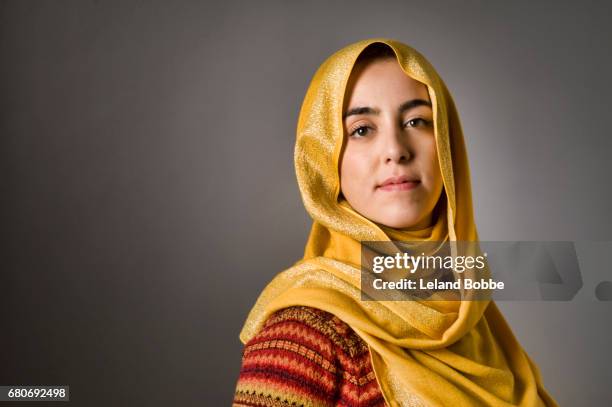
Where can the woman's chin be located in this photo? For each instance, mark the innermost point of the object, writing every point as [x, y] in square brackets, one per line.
[399, 222]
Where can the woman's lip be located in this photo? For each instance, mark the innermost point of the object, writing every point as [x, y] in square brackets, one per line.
[402, 186]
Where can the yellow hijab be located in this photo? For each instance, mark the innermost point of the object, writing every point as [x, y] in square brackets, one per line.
[436, 353]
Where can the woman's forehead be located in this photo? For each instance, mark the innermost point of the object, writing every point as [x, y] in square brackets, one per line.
[382, 81]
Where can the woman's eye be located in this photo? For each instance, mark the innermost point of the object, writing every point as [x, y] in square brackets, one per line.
[418, 122]
[360, 131]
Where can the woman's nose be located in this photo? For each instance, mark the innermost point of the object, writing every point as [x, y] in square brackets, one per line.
[395, 146]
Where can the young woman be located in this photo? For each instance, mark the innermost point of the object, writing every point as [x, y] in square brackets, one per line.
[379, 156]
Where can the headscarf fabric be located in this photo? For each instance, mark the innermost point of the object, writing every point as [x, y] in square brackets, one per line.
[424, 353]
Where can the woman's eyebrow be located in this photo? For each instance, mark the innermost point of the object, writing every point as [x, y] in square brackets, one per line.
[404, 107]
[411, 104]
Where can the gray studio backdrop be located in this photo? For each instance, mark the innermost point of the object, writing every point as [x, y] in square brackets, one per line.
[148, 192]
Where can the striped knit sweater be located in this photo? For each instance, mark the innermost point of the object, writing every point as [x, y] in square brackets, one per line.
[304, 356]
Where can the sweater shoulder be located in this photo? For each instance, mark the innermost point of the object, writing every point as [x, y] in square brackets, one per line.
[330, 328]
[304, 356]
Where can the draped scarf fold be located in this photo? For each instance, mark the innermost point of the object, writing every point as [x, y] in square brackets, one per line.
[435, 353]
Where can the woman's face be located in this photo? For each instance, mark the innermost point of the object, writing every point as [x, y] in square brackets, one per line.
[389, 168]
